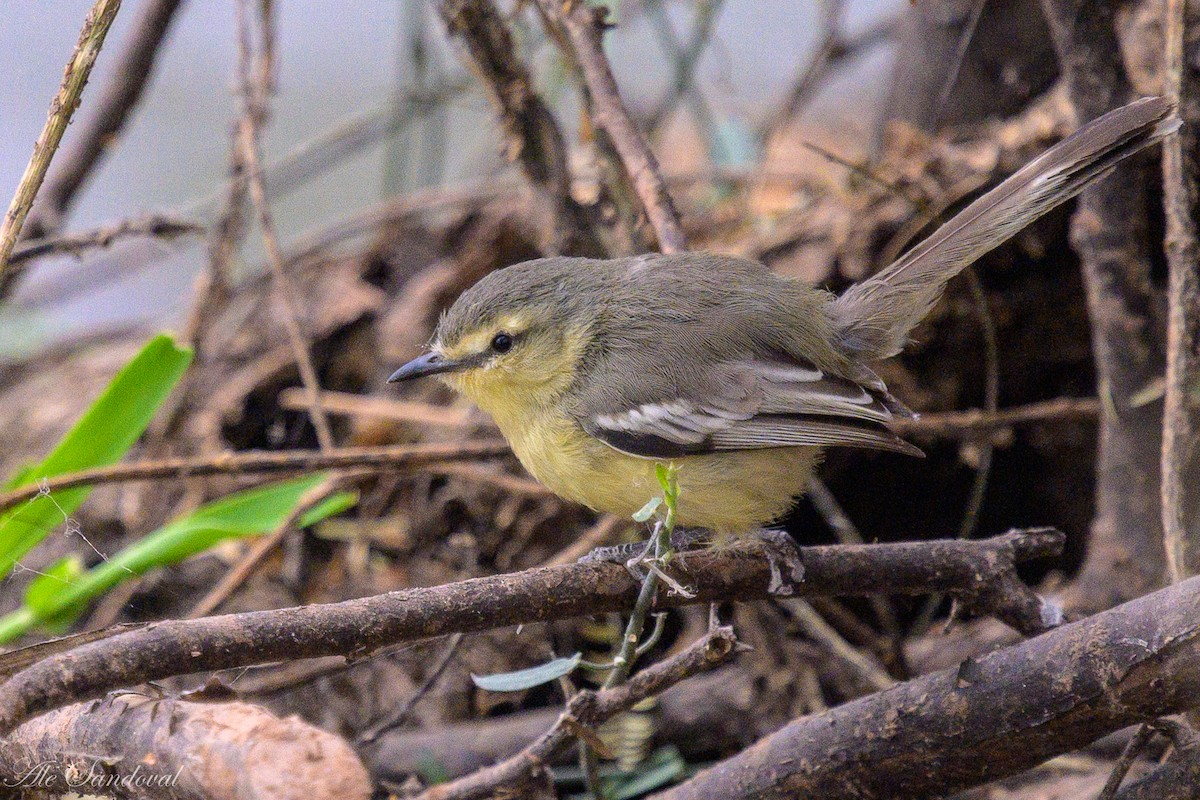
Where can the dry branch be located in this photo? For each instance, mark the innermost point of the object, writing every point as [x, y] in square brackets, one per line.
[160, 226]
[980, 570]
[533, 137]
[62, 108]
[584, 28]
[1181, 199]
[252, 462]
[991, 717]
[257, 67]
[964, 424]
[172, 749]
[587, 710]
[711, 713]
[1111, 234]
[133, 67]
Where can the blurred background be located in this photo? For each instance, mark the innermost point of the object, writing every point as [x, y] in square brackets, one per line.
[340, 65]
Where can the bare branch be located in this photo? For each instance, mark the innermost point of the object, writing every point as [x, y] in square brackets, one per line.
[62, 108]
[979, 569]
[256, 79]
[584, 29]
[97, 132]
[1110, 232]
[1181, 199]
[990, 717]
[586, 710]
[251, 462]
[533, 138]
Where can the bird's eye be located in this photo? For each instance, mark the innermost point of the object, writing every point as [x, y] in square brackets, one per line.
[502, 342]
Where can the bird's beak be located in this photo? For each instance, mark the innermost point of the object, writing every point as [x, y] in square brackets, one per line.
[427, 364]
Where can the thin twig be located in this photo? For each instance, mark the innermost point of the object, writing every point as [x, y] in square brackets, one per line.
[263, 546]
[91, 39]
[255, 462]
[964, 424]
[1181, 198]
[1133, 749]
[389, 408]
[162, 226]
[811, 74]
[871, 673]
[256, 78]
[827, 505]
[533, 138]
[686, 58]
[587, 710]
[583, 28]
[960, 58]
[983, 470]
[397, 718]
[107, 114]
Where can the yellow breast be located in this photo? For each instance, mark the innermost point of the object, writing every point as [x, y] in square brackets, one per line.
[731, 492]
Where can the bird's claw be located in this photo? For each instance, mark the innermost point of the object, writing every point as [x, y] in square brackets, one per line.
[780, 550]
[639, 558]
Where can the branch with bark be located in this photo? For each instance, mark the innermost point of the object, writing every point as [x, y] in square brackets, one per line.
[991, 717]
[585, 711]
[584, 28]
[534, 140]
[1110, 232]
[981, 572]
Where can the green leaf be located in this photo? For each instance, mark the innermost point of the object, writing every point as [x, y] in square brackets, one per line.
[52, 580]
[329, 507]
[527, 678]
[247, 513]
[102, 436]
[647, 511]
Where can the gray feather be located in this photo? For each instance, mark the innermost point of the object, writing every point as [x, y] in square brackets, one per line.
[876, 316]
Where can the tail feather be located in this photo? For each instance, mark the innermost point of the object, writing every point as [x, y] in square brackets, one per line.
[876, 315]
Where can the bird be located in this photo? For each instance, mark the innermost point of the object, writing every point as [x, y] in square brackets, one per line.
[597, 370]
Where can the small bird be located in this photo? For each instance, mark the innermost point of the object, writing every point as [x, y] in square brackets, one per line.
[595, 370]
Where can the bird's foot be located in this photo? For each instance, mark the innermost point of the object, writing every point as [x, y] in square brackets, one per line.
[781, 551]
[650, 556]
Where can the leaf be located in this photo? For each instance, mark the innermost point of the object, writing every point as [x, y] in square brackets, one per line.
[647, 511]
[527, 678]
[53, 579]
[102, 436]
[247, 513]
[329, 507]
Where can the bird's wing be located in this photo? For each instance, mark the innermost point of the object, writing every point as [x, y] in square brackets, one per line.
[752, 405]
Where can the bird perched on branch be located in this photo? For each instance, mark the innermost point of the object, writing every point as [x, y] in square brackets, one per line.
[595, 370]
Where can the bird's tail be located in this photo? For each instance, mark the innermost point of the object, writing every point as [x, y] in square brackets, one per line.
[875, 316]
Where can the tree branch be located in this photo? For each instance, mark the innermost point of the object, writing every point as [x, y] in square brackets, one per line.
[62, 108]
[1181, 199]
[587, 710]
[98, 130]
[976, 569]
[534, 139]
[583, 27]
[253, 461]
[989, 718]
[1111, 235]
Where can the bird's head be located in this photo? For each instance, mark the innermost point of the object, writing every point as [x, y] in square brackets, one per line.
[514, 339]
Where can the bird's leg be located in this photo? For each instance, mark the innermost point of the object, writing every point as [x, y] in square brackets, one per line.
[682, 540]
[653, 554]
[780, 550]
